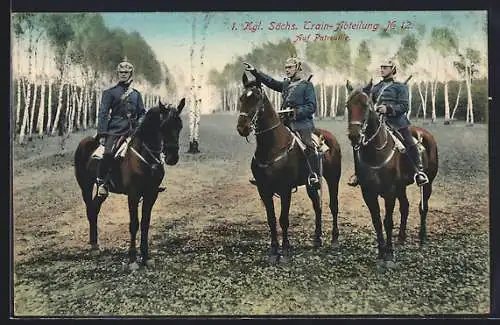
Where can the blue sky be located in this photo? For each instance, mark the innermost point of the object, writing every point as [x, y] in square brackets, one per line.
[170, 33]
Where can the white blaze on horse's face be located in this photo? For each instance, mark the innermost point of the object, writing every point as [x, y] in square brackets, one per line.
[249, 93]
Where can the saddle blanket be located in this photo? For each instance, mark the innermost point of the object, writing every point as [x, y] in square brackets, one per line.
[120, 152]
[399, 144]
[319, 142]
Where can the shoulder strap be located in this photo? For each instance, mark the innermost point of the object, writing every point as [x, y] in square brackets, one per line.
[381, 92]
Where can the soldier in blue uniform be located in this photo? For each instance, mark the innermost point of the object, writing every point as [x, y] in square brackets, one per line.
[120, 113]
[391, 98]
[298, 94]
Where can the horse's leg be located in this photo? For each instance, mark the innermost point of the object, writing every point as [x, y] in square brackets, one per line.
[372, 203]
[93, 207]
[390, 201]
[286, 197]
[133, 202]
[404, 210]
[423, 207]
[314, 196]
[148, 201]
[333, 190]
[267, 198]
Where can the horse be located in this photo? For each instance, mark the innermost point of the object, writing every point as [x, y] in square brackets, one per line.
[279, 165]
[385, 171]
[138, 174]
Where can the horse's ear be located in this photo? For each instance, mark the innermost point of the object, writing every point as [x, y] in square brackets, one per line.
[181, 105]
[348, 86]
[245, 79]
[368, 87]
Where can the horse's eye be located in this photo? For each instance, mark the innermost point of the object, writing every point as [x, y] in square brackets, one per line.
[249, 93]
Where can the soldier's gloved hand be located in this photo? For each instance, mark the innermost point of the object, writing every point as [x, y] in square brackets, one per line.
[102, 140]
[382, 109]
[248, 66]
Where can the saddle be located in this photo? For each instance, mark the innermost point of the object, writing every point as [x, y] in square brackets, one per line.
[318, 141]
[398, 140]
[119, 148]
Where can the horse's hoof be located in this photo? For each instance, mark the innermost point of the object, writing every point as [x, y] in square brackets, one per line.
[273, 259]
[335, 244]
[149, 263]
[390, 264]
[95, 250]
[133, 266]
[399, 243]
[285, 259]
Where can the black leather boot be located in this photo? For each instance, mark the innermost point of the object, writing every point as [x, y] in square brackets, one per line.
[353, 180]
[420, 177]
[313, 178]
[102, 175]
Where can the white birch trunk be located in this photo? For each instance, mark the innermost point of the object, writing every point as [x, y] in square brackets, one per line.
[446, 103]
[49, 107]
[41, 109]
[27, 98]
[408, 115]
[457, 101]
[469, 96]
[433, 100]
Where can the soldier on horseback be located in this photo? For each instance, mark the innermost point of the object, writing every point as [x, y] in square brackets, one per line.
[391, 98]
[120, 113]
[298, 95]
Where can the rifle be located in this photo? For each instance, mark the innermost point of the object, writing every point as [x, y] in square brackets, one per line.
[408, 79]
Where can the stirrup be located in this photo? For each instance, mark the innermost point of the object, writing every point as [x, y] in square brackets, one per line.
[102, 191]
[353, 181]
[424, 180]
[313, 180]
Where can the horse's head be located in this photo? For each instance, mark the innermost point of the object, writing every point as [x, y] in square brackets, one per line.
[358, 109]
[170, 128]
[250, 106]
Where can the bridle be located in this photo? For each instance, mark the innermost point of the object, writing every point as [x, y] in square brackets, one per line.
[363, 141]
[254, 125]
[158, 155]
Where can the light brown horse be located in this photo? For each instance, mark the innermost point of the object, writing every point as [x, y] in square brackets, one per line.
[137, 175]
[279, 165]
[384, 171]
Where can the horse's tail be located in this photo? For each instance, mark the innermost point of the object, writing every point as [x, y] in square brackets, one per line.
[333, 144]
[431, 149]
[82, 154]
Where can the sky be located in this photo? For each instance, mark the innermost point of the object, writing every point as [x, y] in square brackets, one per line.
[231, 34]
[170, 33]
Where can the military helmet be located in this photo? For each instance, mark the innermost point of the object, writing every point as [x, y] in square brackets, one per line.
[125, 66]
[295, 61]
[389, 63]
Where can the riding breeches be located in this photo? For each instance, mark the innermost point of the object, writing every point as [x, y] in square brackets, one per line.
[407, 137]
[107, 157]
[306, 136]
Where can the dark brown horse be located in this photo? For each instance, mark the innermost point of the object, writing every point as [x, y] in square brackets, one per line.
[137, 175]
[385, 171]
[279, 165]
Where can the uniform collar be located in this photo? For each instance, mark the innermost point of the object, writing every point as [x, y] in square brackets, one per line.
[391, 79]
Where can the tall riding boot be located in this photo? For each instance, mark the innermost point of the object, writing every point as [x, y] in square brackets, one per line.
[102, 174]
[313, 159]
[420, 176]
[353, 180]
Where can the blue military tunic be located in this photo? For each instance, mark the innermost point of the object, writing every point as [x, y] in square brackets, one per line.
[395, 97]
[117, 116]
[298, 94]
